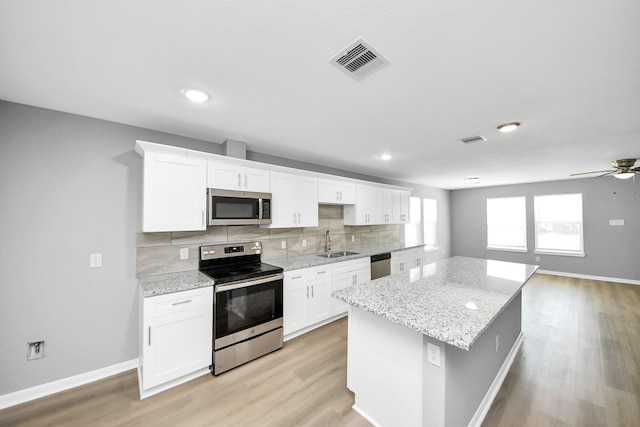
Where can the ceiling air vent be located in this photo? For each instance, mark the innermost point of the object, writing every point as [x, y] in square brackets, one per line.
[473, 139]
[359, 59]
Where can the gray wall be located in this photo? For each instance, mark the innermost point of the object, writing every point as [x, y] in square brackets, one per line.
[71, 186]
[611, 251]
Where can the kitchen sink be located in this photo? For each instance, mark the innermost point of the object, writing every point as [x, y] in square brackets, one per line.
[337, 254]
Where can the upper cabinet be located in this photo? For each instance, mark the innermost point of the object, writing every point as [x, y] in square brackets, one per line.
[232, 177]
[174, 192]
[367, 210]
[400, 206]
[294, 201]
[336, 192]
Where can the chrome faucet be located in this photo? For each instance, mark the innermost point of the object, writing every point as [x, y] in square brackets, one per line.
[327, 242]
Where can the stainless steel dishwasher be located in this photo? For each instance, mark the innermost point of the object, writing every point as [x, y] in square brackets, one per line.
[380, 265]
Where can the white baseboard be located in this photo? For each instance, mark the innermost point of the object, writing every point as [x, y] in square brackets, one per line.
[22, 396]
[589, 277]
[485, 405]
[312, 327]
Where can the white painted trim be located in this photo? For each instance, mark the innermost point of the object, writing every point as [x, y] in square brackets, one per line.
[365, 416]
[169, 384]
[589, 277]
[26, 395]
[485, 405]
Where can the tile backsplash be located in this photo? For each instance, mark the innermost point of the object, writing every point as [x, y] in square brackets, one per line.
[160, 252]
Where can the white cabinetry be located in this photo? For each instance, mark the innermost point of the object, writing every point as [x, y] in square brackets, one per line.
[306, 298]
[176, 336]
[294, 201]
[174, 192]
[345, 274]
[366, 210]
[400, 206]
[232, 177]
[402, 261]
[336, 192]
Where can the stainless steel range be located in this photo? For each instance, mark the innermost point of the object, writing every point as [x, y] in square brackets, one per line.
[247, 303]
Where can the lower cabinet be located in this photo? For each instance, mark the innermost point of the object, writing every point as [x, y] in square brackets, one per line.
[307, 292]
[402, 261]
[177, 331]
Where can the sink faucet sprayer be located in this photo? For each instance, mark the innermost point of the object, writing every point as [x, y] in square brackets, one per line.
[327, 242]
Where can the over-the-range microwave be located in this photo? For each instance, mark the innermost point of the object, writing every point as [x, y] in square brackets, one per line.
[232, 207]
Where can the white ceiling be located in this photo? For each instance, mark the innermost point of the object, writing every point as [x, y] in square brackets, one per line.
[568, 70]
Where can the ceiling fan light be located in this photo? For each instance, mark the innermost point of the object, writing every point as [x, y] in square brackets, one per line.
[624, 175]
[384, 156]
[509, 127]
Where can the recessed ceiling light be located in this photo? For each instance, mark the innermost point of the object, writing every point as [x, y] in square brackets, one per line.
[384, 156]
[195, 95]
[472, 180]
[508, 127]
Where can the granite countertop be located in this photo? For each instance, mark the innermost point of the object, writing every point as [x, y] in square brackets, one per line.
[453, 300]
[167, 283]
[304, 261]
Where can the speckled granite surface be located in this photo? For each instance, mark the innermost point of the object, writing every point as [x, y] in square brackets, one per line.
[167, 283]
[435, 299]
[304, 261]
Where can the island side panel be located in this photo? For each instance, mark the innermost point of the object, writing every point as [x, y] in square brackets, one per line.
[385, 370]
[469, 374]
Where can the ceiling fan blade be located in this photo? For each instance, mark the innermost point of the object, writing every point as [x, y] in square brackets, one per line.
[587, 173]
[605, 174]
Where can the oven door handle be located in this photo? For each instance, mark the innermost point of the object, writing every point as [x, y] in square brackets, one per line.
[231, 286]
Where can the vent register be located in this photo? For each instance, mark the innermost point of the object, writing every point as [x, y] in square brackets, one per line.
[359, 59]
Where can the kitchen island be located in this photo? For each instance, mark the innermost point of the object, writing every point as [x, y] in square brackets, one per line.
[431, 346]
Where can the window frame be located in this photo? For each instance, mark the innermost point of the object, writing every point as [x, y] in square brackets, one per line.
[507, 248]
[560, 252]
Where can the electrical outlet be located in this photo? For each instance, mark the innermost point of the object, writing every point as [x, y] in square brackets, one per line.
[184, 253]
[304, 243]
[433, 354]
[283, 244]
[353, 238]
[497, 342]
[95, 260]
[616, 222]
[537, 259]
[35, 350]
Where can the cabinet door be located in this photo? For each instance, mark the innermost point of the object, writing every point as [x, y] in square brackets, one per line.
[347, 192]
[224, 176]
[400, 207]
[361, 212]
[387, 206]
[176, 345]
[328, 191]
[295, 301]
[282, 203]
[320, 297]
[339, 282]
[306, 199]
[174, 193]
[255, 180]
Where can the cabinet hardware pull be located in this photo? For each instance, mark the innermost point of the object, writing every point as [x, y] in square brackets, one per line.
[294, 217]
[320, 272]
[149, 335]
[295, 277]
[202, 217]
[245, 180]
[311, 291]
[239, 181]
[182, 302]
[307, 292]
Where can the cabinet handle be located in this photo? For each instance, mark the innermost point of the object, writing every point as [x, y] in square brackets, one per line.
[187, 301]
[337, 195]
[149, 335]
[239, 181]
[311, 291]
[202, 217]
[307, 292]
[320, 272]
[294, 217]
[245, 180]
[341, 195]
[295, 277]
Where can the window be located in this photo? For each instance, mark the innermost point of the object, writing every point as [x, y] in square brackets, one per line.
[430, 223]
[423, 223]
[558, 222]
[507, 224]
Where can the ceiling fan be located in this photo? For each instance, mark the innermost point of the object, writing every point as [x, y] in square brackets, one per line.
[623, 169]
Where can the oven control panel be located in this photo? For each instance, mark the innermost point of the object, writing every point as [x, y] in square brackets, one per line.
[230, 250]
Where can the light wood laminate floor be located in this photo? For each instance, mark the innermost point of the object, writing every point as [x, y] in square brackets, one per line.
[579, 365]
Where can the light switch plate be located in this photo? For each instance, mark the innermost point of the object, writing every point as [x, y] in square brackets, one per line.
[184, 253]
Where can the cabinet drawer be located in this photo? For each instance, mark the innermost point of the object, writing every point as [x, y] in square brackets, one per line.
[178, 301]
[349, 266]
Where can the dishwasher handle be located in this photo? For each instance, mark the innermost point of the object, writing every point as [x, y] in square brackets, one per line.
[380, 257]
